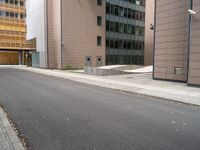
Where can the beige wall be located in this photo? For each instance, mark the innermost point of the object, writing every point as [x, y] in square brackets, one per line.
[80, 31]
[172, 33]
[54, 34]
[149, 19]
[171, 45]
[65, 36]
[194, 71]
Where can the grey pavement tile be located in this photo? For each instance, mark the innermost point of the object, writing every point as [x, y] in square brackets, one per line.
[8, 138]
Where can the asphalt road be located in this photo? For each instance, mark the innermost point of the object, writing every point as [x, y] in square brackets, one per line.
[58, 114]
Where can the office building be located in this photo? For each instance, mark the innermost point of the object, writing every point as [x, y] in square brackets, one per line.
[80, 33]
[177, 36]
[125, 30]
[14, 49]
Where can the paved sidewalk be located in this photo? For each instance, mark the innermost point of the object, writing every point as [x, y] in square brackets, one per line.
[137, 83]
[8, 138]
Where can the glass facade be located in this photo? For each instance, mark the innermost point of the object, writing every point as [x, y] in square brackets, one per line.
[125, 22]
[13, 26]
[8, 13]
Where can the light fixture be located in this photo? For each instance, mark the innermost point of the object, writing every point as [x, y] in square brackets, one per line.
[152, 27]
[191, 12]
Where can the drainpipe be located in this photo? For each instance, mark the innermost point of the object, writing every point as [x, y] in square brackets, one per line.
[61, 28]
[46, 8]
[189, 40]
[154, 37]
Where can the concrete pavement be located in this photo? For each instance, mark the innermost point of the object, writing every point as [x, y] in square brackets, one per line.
[58, 114]
[8, 138]
[137, 83]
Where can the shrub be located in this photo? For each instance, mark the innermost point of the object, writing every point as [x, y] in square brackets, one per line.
[67, 67]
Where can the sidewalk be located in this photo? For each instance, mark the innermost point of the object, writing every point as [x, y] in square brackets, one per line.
[8, 138]
[137, 83]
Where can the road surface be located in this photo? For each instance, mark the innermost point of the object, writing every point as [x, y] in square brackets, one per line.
[59, 114]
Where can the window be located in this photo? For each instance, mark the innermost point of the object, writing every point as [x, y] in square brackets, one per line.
[116, 43]
[116, 27]
[112, 9]
[116, 10]
[129, 28]
[128, 44]
[137, 2]
[121, 11]
[99, 2]
[137, 15]
[7, 14]
[107, 8]
[124, 44]
[16, 15]
[21, 3]
[133, 45]
[112, 26]
[129, 13]
[133, 14]
[16, 2]
[125, 28]
[125, 12]
[121, 44]
[12, 14]
[99, 20]
[108, 43]
[137, 30]
[107, 26]
[121, 28]
[133, 30]
[143, 16]
[141, 31]
[99, 40]
[12, 2]
[111, 43]
[2, 13]
[21, 16]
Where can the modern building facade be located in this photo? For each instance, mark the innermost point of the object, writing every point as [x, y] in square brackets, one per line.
[86, 33]
[125, 30]
[67, 32]
[14, 49]
[177, 36]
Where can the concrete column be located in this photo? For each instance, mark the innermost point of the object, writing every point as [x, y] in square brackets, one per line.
[20, 57]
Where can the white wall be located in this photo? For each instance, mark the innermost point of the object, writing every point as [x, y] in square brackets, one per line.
[36, 27]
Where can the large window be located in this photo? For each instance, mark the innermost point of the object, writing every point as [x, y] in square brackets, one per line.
[124, 28]
[124, 12]
[125, 44]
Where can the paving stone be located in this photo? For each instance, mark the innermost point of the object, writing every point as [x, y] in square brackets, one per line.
[5, 142]
[8, 138]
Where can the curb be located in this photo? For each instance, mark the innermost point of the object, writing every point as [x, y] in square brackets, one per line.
[142, 92]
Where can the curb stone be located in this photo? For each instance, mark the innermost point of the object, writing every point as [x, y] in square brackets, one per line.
[189, 98]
